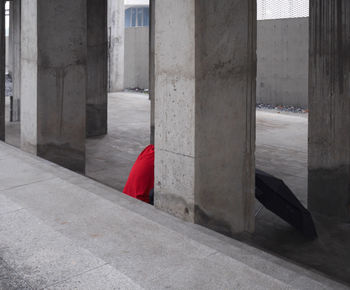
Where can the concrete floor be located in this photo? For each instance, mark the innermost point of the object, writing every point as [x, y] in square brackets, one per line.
[12, 129]
[281, 149]
[61, 230]
[110, 158]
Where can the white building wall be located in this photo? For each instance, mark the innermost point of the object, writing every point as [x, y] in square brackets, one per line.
[136, 69]
[283, 62]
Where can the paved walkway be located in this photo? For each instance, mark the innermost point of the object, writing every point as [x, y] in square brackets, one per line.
[60, 230]
[109, 158]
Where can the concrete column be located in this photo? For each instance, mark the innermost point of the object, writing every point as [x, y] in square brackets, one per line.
[96, 103]
[151, 66]
[53, 80]
[9, 45]
[116, 31]
[329, 105]
[16, 58]
[205, 73]
[2, 70]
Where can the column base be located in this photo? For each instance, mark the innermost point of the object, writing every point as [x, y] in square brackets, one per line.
[329, 193]
[96, 120]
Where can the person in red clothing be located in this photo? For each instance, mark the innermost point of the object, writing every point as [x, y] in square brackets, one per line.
[140, 183]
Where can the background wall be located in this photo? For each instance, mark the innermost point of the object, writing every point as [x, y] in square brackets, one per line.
[7, 54]
[282, 49]
[136, 57]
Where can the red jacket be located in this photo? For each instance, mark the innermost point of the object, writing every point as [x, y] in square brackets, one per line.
[141, 177]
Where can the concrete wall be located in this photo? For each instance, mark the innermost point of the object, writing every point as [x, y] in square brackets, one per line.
[282, 50]
[116, 24]
[136, 57]
[7, 54]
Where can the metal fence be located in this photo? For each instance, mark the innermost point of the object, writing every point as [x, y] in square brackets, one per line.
[277, 9]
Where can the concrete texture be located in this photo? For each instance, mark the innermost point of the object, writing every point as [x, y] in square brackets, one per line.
[282, 71]
[7, 56]
[54, 80]
[116, 24]
[152, 67]
[329, 102]
[281, 149]
[136, 64]
[29, 76]
[97, 61]
[175, 107]
[110, 158]
[205, 103]
[68, 232]
[2, 70]
[12, 129]
[16, 58]
[9, 39]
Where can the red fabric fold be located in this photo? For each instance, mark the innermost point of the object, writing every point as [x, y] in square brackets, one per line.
[141, 177]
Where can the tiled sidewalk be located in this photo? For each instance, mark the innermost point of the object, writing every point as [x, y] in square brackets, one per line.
[60, 230]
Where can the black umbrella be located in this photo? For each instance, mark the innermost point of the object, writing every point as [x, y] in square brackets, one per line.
[275, 195]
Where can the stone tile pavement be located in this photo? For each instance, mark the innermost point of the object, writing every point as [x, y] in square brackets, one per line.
[61, 230]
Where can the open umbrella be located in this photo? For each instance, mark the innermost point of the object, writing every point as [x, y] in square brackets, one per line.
[275, 195]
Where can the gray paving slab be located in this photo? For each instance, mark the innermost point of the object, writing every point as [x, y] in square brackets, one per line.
[9, 279]
[16, 173]
[40, 255]
[104, 228]
[105, 277]
[225, 273]
[70, 228]
[7, 206]
[5, 151]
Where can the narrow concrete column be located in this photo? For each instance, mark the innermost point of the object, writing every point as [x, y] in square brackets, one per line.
[116, 31]
[205, 72]
[151, 67]
[2, 70]
[329, 105]
[16, 58]
[9, 45]
[96, 103]
[53, 80]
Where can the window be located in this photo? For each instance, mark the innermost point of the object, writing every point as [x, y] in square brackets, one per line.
[133, 17]
[127, 17]
[145, 16]
[138, 16]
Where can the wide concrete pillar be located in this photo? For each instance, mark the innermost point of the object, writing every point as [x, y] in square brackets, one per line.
[2, 70]
[329, 105]
[152, 67]
[116, 31]
[96, 103]
[205, 72]
[16, 58]
[53, 80]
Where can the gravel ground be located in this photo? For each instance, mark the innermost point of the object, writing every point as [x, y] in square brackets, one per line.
[279, 109]
[136, 90]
